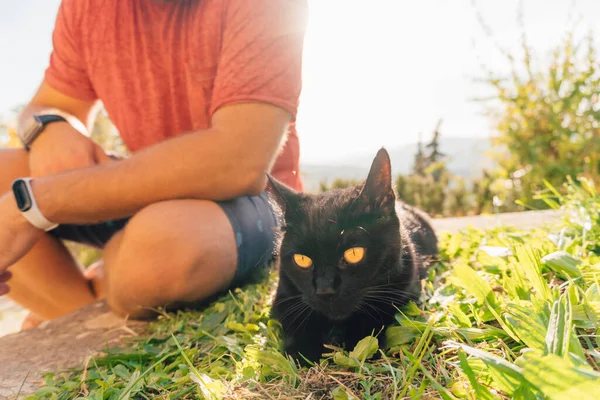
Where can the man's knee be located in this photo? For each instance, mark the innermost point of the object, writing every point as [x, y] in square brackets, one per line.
[14, 163]
[159, 258]
[139, 272]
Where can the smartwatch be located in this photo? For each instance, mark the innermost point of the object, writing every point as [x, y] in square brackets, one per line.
[26, 203]
[38, 122]
[35, 126]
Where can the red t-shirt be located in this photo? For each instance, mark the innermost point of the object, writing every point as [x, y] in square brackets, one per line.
[162, 68]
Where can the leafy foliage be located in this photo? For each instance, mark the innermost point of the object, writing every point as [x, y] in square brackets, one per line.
[547, 119]
[505, 314]
[8, 129]
[338, 183]
[431, 187]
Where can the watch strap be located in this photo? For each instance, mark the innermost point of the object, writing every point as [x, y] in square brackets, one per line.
[40, 121]
[46, 119]
[33, 214]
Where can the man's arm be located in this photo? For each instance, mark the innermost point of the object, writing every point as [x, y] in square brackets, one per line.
[47, 98]
[228, 160]
[61, 146]
[255, 96]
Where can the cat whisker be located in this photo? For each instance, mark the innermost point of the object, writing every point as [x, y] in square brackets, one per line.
[303, 321]
[387, 299]
[401, 297]
[363, 310]
[371, 292]
[295, 318]
[395, 283]
[395, 293]
[390, 301]
[286, 299]
[367, 312]
[293, 309]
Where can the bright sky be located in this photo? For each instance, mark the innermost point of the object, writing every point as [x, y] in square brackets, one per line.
[376, 73]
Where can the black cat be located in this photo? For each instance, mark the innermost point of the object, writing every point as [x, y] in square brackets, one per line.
[348, 258]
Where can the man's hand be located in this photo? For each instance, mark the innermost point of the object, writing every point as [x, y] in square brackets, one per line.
[17, 237]
[59, 148]
[4, 277]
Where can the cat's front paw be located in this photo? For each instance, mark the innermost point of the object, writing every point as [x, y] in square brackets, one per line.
[303, 350]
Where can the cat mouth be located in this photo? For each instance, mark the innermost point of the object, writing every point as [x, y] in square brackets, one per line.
[336, 310]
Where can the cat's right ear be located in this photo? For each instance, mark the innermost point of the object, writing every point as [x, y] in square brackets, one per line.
[285, 197]
[377, 189]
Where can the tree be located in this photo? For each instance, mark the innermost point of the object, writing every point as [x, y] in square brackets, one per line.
[420, 159]
[435, 154]
[431, 187]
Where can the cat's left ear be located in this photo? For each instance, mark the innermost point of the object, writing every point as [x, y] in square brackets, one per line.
[285, 197]
[378, 186]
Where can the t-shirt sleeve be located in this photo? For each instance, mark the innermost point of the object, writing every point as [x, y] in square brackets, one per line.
[261, 53]
[67, 71]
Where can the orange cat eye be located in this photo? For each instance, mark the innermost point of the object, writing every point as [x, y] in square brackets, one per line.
[354, 255]
[302, 261]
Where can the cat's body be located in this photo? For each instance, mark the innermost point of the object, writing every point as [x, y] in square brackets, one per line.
[348, 259]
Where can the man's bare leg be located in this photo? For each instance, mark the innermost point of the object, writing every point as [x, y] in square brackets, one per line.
[47, 280]
[170, 252]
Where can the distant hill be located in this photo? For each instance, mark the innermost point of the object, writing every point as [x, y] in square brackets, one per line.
[466, 158]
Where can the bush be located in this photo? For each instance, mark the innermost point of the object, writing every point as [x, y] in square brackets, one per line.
[547, 121]
[338, 183]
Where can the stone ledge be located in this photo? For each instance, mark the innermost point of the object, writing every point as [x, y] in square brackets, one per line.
[520, 220]
[63, 343]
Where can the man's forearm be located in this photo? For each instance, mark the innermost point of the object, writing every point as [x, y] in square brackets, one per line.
[198, 165]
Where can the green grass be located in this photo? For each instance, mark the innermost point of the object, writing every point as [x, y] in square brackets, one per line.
[505, 314]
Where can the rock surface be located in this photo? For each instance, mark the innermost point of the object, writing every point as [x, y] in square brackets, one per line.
[521, 220]
[67, 342]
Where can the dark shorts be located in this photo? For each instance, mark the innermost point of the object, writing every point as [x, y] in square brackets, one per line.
[254, 223]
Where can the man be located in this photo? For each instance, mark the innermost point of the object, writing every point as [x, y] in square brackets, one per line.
[203, 93]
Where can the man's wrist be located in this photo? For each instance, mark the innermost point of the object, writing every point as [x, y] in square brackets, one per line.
[53, 133]
[27, 205]
[37, 123]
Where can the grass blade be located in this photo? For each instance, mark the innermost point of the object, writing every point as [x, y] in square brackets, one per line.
[558, 378]
[560, 327]
[474, 284]
[210, 389]
[506, 375]
[563, 263]
[528, 325]
[530, 263]
[481, 392]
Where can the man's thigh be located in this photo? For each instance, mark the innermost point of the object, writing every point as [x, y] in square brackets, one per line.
[187, 250]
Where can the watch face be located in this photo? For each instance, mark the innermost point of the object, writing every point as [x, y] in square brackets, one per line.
[22, 195]
[31, 130]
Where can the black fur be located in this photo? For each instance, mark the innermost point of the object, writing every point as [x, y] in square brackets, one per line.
[355, 300]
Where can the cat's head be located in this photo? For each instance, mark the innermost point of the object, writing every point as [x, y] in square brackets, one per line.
[336, 244]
